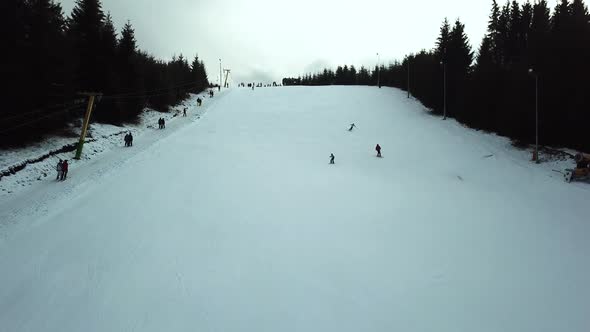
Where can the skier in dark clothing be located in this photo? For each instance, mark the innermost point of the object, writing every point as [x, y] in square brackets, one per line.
[199, 101]
[351, 126]
[184, 112]
[163, 123]
[64, 170]
[378, 148]
[331, 158]
[59, 169]
[126, 140]
[160, 123]
[130, 139]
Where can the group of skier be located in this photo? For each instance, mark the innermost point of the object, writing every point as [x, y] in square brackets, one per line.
[62, 170]
[161, 123]
[62, 165]
[377, 147]
[128, 139]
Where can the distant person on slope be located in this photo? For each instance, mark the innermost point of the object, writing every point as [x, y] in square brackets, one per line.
[64, 170]
[351, 126]
[199, 101]
[184, 112]
[59, 169]
[130, 139]
[331, 158]
[378, 148]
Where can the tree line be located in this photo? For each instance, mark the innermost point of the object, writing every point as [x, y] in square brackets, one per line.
[55, 57]
[528, 49]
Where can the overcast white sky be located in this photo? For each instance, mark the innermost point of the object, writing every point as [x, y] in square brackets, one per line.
[266, 40]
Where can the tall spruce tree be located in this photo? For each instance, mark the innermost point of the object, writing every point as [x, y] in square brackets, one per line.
[442, 42]
[14, 60]
[441, 53]
[128, 73]
[85, 33]
[459, 59]
[198, 74]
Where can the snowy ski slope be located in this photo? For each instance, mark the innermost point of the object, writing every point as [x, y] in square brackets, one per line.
[237, 222]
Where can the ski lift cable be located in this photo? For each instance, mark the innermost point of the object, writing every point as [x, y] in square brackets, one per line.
[38, 119]
[144, 93]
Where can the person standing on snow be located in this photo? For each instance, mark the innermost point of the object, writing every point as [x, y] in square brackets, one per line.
[331, 158]
[378, 148]
[184, 112]
[351, 126]
[59, 168]
[64, 170]
[130, 139]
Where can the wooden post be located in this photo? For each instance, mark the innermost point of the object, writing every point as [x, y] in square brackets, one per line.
[226, 71]
[91, 97]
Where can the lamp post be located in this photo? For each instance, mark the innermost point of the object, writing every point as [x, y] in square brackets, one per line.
[219, 87]
[536, 76]
[378, 72]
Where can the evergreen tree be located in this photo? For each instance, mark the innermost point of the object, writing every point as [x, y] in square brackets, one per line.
[128, 73]
[109, 110]
[539, 36]
[352, 77]
[345, 79]
[198, 74]
[85, 28]
[514, 35]
[14, 60]
[364, 77]
[485, 80]
[46, 37]
[442, 42]
[339, 77]
[459, 59]
[526, 18]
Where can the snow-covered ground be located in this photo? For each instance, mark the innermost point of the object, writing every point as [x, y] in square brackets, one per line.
[101, 138]
[236, 222]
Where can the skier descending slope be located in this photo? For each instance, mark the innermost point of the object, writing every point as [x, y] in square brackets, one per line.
[331, 158]
[351, 126]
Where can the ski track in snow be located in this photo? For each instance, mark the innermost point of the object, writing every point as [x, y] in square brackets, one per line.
[236, 222]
